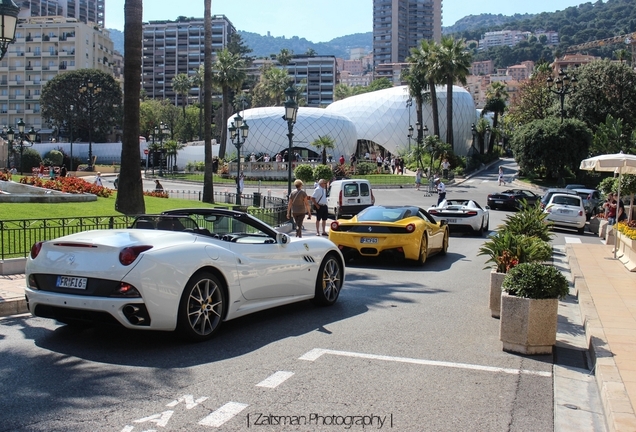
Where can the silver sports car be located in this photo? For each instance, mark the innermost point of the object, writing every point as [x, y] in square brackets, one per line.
[462, 214]
[185, 270]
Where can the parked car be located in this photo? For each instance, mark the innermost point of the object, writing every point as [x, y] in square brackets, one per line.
[349, 197]
[186, 270]
[545, 199]
[591, 200]
[462, 214]
[512, 199]
[566, 210]
[404, 232]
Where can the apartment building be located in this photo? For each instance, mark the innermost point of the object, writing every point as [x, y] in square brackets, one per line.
[86, 11]
[399, 25]
[171, 48]
[45, 47]
[317, 73]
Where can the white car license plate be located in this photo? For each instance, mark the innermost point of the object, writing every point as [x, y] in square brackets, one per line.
[71, 282]
[451, 220]
[368, 240]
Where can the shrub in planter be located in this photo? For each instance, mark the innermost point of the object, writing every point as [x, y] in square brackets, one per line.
[529, 308]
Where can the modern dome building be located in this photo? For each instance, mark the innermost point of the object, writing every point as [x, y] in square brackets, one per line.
[383, 117]
[268, 132]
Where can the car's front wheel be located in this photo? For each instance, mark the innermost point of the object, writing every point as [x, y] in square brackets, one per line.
[202, 307]
[329, 281]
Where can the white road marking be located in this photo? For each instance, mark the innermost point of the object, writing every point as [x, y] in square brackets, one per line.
[188, 399]
[223, 414]
[159, 419]
[318, 352]
[275, 379]
[572, 239]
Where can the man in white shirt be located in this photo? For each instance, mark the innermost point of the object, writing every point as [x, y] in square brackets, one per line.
[319, 198]
[441, 190]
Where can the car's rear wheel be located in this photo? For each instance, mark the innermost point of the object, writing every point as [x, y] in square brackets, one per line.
[444, 243]
[329, 281]
[423, 251]
[202, 307]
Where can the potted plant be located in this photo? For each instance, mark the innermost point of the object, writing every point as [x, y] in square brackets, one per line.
[529, 308]
[505, 250]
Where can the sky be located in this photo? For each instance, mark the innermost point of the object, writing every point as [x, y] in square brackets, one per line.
[316, 20]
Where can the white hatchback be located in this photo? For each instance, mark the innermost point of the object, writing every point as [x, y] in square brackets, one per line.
[565, 210]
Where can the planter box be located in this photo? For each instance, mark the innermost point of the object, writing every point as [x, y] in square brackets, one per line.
[528, 326]
[496, 280]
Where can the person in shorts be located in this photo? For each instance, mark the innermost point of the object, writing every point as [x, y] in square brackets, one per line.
[319, 198]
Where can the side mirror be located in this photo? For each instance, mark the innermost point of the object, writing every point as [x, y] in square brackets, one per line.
[282, 238]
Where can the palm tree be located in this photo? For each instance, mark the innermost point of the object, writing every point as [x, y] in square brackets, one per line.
[496, 98]
[454, 64]
[228, 74]
[130, 197]
[284, 57]
[181, 84]
[323, 143]
[425, 57]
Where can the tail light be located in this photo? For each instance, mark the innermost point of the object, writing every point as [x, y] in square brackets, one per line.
[35, 249]
[372, 199]
[128, 255]
[335, 225]
[410, 228]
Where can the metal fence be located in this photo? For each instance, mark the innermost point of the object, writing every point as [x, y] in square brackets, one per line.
[17, 236]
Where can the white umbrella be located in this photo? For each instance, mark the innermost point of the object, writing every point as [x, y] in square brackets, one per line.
[619, 163]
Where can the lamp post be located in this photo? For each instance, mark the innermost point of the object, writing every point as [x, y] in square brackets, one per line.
[238, 134]
[8, 21]
[30, 137]
[291, 111]
[564, 86]
[91, 90]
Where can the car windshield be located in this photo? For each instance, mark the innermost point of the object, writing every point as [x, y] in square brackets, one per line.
[386, 214]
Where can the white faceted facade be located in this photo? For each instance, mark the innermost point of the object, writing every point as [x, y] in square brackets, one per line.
[268, 132]
[383, 117]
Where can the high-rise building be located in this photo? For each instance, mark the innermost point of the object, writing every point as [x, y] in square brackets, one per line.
[171, 48]
[86, 11]
[399, 25]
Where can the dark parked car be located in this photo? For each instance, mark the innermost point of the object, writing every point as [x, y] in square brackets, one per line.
[512, 199]
[545, 199]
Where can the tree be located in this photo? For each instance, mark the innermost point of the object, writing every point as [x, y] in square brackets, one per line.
[62, 92]
[181, 84]
[496, 97]
[228, 73]
[130, 197]
[454, 64]
[322, 143]
[549, 146]
[604, 88]
[426, 60]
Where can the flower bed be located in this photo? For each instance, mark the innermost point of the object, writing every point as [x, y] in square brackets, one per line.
[72, 185]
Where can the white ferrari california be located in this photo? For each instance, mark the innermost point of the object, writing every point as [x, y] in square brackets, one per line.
[185, 270]
[462, 214]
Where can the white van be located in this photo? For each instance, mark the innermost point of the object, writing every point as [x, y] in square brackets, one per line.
[349, 197]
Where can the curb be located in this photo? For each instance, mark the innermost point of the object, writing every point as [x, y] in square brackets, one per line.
[617, 406]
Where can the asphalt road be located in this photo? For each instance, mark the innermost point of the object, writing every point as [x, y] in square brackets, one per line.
[405, 348]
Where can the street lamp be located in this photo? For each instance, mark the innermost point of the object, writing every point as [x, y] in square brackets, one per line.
[8, 21]
[30, 137]
[564, 86]
[238, 134]
[91, 90]
[291, 111]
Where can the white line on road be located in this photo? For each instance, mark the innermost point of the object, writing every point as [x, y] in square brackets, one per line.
[318, 352]
[275, 379]
[572, 239]
[223, 414]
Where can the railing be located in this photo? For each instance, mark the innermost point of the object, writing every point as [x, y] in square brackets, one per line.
[17, 236]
